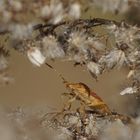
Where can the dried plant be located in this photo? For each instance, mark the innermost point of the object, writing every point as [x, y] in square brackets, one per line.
[54, 29]
[4, 77]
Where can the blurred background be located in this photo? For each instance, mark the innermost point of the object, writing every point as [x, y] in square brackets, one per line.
[35, 86]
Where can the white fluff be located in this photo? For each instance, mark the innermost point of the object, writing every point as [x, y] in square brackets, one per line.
[35, 56]
[128, 90]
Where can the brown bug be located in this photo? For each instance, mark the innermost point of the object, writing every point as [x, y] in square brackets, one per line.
[88, 98]
[81, 92]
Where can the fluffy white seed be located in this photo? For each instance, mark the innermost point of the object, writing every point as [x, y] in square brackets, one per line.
[75, 10]
[131, 73]
[94, 68]
[128, 90]
[35, 56]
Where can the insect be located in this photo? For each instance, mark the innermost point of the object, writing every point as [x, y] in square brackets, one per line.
[81, 92]
[88, 98]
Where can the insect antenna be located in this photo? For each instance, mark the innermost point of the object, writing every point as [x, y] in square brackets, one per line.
[58, 73]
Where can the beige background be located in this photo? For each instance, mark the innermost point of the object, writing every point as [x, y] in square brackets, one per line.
[41, 86]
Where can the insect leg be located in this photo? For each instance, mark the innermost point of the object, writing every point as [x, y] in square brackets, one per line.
[67, 105]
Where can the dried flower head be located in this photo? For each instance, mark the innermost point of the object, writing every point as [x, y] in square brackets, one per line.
[51, 47]
[125, 34]
[115, 58]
